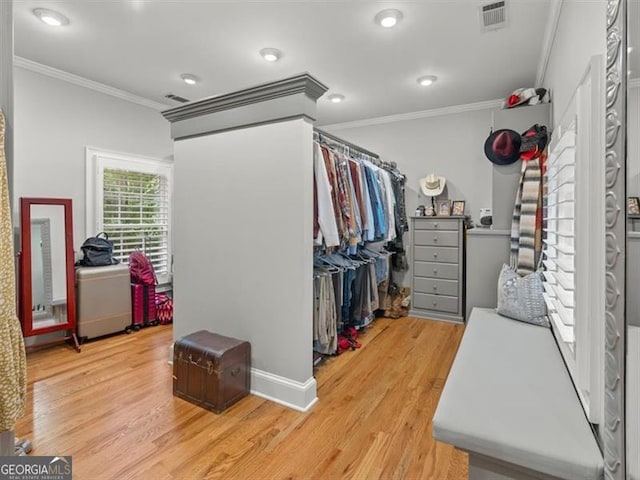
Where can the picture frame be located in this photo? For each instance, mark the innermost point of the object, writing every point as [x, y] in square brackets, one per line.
[633, 206]
[444, 208]
[429, 211]
[457, 208]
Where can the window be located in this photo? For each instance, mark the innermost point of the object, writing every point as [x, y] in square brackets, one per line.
[574, 243]
[129, 198]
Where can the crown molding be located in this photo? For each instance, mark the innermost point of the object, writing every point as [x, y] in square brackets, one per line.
[303, 83]
[634, 83]
[85, 82]
[547, 41]
[435, 112]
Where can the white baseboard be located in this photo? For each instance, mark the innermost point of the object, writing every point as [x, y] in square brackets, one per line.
[287, 392]
[633, 400]
[296, 395]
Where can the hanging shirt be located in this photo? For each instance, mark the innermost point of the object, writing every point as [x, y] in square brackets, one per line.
[376, 201]
[354, 168]
[335, 191]
[390, 204]
[369, 225]
[326, 212]
[356, 238]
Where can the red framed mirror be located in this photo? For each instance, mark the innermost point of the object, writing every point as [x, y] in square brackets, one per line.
[47, 275]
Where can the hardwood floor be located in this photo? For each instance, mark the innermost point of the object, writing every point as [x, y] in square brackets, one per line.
[111, 407]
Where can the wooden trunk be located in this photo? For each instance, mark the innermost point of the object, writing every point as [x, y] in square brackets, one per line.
[211, 370]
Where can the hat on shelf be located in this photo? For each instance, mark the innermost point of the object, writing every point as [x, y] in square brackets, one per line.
[534, 141]
[432, 185]
[528, 96]
[502, 147]
[521, 96]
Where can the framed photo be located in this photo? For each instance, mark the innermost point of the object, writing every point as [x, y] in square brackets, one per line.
[458, 207]
[444, 208]
[633, 206]
[429, 211]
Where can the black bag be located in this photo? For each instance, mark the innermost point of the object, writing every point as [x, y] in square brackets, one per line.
[98, 252]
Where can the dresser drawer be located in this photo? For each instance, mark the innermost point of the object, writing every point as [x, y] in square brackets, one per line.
[436, 238]
[435, 302]
[435, 286]
[447, 271]
[436, 224]
[436, 254]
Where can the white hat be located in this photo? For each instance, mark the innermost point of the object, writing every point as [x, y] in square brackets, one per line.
[432, 185]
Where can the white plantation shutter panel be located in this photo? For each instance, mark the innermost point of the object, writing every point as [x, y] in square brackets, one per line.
[574, 245]
[559, 249]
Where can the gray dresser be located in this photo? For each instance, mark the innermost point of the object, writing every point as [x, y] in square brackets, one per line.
[437, 286]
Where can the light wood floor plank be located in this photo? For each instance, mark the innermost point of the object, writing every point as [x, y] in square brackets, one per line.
[111, 407]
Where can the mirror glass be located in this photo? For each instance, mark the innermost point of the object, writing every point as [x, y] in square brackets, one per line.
[633, 162]
[48, 265]
[41, 292]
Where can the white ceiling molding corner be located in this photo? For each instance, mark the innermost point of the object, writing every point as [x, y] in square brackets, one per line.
[85, 82]
[435, 112]
[547, 43]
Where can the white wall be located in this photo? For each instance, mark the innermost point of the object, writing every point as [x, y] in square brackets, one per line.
[243, 244]
[581, 33]
[56, 120]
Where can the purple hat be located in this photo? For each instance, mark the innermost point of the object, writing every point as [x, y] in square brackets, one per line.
[502, 147]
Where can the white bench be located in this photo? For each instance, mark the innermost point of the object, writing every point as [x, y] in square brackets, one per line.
[510, 403]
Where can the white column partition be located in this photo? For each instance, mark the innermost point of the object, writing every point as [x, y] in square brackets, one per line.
[243, 210]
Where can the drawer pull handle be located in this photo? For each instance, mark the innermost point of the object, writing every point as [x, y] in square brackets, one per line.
[435, 225]
[435, 270]
[435, 287]
[435, 304]
[435, 255]
[435, 239]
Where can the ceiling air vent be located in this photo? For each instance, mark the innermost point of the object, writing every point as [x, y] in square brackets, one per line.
[177, 98]
[493, 15]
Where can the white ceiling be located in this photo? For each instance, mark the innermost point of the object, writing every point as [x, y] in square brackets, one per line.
[142, 47]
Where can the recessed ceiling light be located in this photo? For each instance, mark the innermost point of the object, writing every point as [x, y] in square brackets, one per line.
[388, 18]
[336, 97]
[189, 79]
[271, 54]
[427, 80]
[51, 18]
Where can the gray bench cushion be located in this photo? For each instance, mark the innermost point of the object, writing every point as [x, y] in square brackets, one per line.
[509, 396]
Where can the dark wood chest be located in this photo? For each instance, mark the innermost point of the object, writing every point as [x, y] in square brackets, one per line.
[211, 370]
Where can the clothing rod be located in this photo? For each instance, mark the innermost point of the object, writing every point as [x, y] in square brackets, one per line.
[345, 143]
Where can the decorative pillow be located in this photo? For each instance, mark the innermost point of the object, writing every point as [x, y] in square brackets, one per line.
[521, 298]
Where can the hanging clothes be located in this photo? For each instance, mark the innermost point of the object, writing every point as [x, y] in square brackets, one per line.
[13, 365]
[356, 201]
